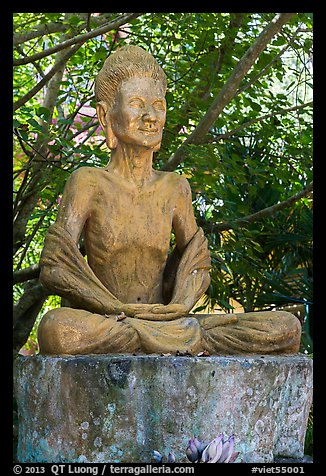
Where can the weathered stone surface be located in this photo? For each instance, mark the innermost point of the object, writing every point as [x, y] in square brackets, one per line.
[119, 408]
[304, 459]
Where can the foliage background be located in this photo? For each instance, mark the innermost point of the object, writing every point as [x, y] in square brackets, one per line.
[239, 126]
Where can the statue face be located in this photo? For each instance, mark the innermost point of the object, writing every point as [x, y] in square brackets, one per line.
[138, 116]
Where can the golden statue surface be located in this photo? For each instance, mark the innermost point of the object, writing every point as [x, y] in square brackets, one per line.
[131, 295]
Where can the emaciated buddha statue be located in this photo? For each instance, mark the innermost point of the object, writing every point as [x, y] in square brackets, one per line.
[131, 295]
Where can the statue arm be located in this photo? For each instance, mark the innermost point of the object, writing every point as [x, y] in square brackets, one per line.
[192, 277]
[63, 268]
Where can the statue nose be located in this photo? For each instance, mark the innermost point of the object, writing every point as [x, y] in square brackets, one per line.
[149, 116]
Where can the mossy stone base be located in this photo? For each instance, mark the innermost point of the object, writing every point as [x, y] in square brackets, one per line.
[119, 408]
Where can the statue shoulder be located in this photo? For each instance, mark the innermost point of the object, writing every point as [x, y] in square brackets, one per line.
[177, 186]
[87, 176]
[85, 173]
[181, 185]
[176, 180]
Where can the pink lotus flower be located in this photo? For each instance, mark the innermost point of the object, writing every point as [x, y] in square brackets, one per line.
[195, 449]
[220, 450]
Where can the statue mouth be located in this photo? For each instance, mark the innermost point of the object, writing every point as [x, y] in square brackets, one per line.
[148, 131]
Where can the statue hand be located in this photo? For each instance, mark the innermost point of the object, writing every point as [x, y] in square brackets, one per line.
[161, 312]
[169, 308]
[132, 309]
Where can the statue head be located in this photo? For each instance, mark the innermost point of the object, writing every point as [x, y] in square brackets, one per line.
[131, 83]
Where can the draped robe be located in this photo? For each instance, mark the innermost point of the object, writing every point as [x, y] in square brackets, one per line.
[73, 330]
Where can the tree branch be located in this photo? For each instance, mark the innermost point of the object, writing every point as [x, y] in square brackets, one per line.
[224, 226]
[20, 102]
[56, 27]
[78, 39]
[201, 89]
[266, 68]
[41, 30]
[28, 153]
[229, 90]
[24, 204]
[32, 272]
[31, 236]
[36, 65]
[257, 119]
[33, 293]
[25, 312]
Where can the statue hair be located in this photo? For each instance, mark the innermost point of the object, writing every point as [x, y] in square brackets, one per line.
[125, 63]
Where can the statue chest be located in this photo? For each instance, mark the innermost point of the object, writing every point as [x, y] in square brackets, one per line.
[122, 219]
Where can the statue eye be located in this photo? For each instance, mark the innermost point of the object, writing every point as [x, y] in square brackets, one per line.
[136, 103]
[159, 105]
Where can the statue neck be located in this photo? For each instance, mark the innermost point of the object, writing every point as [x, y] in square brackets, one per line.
[133, 163]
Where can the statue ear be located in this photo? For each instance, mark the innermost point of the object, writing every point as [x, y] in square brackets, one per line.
[101, 110]
[104, 120]
[111, 139]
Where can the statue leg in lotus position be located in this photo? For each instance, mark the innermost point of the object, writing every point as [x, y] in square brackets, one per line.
[131, 295]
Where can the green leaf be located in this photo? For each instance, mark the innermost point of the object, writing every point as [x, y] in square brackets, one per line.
[43, 113]
[257, 246]
[35, 124]
[198, 309]
[225, 304]
[74, 20]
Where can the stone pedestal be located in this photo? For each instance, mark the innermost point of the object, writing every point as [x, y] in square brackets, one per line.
[119, 408]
